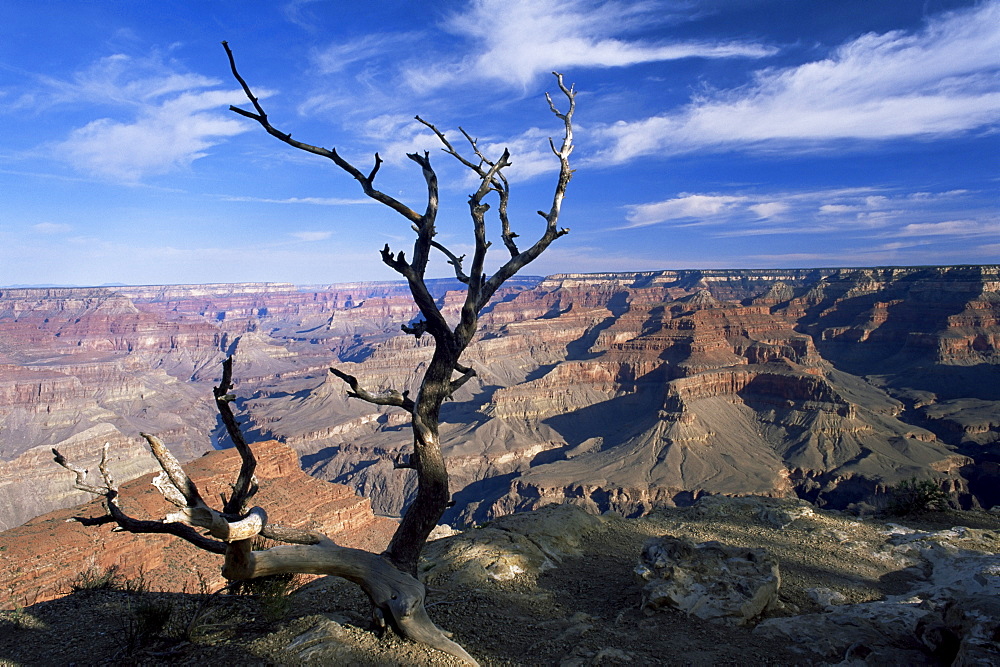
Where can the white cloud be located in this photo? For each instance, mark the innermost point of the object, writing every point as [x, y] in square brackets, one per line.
[685, 206]
[771, 209]
[837, 209]
[941, 80]
[52, 228]
[518, 40]
[164, 137]
[953, 228]
[312, 236]
[317, 201]
[155, 118]
[336, 57]
[122, 80]
[864, 212]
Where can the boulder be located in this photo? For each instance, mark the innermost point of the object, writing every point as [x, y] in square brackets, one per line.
[875, 632]
[512, 546]
[953, 611]
[710, 580]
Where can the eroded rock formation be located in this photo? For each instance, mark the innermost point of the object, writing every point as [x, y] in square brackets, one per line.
[616, 391]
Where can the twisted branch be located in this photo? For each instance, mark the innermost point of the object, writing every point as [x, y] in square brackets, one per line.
[393, 397]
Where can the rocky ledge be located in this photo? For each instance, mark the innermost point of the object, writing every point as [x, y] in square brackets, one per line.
[810, 587]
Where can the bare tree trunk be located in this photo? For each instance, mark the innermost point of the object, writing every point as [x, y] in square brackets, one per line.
[389, 579]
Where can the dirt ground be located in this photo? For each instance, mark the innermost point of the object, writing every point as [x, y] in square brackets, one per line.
[584, 611]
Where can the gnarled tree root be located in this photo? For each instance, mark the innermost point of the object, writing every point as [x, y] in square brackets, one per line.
[398, 595]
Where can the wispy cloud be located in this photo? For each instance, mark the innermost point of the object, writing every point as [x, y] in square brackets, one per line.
[684, 207]
[52, 228]
[515, 41]
[871, 212]
[952, 228]
[312, 236]
[941, 80]
[164, 137]
[338, 57]
[154, 118]
[886, 254]
[317, 201]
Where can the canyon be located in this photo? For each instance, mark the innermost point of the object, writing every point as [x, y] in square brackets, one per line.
[618, 391]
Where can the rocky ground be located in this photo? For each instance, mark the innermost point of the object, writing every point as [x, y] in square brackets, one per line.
[558, 587]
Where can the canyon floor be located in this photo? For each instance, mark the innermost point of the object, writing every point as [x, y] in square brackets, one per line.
[583, 611]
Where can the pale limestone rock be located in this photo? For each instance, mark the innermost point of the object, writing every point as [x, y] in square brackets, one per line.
[878, 632]
[510, 547]
[442, 531]
[710, 580]
[826, 596]
[322, 642]
[782, 517]
[954, 611]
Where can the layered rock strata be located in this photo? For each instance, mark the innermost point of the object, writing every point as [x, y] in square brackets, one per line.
[51, 553]
[622, 391]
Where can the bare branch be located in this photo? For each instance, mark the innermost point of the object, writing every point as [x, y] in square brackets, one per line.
[110, 494]
[81, 474]
[246, 485]
[498, 182]
[552, 231]
[467, 374]
[424, 224]
[417, 329]
[393, 397]
[454, 261]
[331, 154]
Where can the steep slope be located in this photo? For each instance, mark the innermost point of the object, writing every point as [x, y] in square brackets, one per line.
[665, 392]
[628, 390]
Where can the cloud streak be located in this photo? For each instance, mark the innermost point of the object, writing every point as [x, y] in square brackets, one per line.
[164, 137]
[316, 201]
[516, 41]
[942, 80]
[865, 212]
[158, 119]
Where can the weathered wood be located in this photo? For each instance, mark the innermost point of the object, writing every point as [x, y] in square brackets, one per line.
[389, 579]
[397, 594]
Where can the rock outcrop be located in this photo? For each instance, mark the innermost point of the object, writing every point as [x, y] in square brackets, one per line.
[950, 612]
[624, 391]
[710, 580]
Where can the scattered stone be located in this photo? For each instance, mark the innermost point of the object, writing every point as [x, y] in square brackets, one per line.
[975, 621]
[442, 531]
[953, 611]
[710, 580]
[612, 656]
[782, 517]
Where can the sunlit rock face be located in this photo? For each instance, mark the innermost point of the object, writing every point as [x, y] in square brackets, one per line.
[619, 391]
[49, 552]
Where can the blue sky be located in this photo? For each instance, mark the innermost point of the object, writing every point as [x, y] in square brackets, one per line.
[710, 133]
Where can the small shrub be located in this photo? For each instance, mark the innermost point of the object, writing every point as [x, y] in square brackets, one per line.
[272, 592]
[916, 496]
[109, 579]
[152, 617]
[143, 627]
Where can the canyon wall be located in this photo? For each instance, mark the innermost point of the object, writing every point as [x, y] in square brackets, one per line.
[618, 391]
[48, 554]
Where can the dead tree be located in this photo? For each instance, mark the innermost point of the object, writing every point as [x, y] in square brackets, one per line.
[389, 578]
